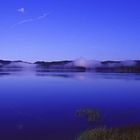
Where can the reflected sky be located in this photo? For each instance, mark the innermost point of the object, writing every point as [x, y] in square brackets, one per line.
[43, 105]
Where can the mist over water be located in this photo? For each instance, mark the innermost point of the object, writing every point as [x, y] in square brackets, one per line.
[41, 105]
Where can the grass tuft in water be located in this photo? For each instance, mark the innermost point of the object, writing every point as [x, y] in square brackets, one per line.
[92, 115]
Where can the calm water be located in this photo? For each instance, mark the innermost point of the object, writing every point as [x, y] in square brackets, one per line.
[42, 106]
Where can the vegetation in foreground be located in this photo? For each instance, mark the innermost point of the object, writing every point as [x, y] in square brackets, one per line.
[122, 133]
[126, 133]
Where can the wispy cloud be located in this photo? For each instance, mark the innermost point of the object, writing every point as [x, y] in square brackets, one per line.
[30, 20]
[21, 10]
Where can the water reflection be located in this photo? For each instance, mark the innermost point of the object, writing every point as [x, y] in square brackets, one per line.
[87, 75]
[42, 105]
[4, 74]
[69, 74]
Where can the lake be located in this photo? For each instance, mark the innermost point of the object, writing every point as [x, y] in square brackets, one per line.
[42, 106]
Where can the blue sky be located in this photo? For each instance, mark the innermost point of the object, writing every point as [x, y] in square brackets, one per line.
[49, 30]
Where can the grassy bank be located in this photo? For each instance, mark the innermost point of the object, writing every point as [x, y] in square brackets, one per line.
[123, 133]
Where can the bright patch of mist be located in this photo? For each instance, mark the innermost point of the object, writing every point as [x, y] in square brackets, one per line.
[22, 65]
[82, 62]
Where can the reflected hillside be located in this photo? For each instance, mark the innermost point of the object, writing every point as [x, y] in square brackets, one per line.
[71, 75]
[90, 75]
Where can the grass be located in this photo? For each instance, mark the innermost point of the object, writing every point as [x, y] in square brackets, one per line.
[125, 133]
[92, 115]
[122, 133]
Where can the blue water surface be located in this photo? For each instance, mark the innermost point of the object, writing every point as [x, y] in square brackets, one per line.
[42, 106]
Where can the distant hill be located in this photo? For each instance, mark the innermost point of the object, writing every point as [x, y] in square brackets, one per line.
[127, 66]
